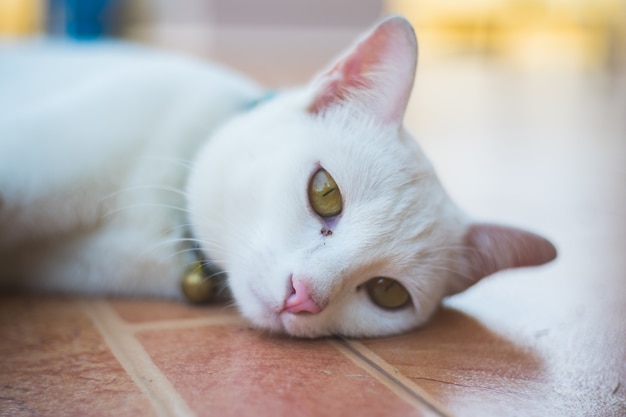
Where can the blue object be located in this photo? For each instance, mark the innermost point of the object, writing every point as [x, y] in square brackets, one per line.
[83, 19]
[265, 97]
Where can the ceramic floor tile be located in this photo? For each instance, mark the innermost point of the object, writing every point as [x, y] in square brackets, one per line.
[142, 311]
[53, 362]
[472, 370]
[465, 366]
[235, 371]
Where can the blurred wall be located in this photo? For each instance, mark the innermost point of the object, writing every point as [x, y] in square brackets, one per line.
[523, 33]
[298, 13]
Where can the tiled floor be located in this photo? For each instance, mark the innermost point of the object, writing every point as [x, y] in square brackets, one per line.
[79, 357]
[545, 150]
[64, 356]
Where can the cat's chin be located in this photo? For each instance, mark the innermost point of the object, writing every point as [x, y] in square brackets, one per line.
[295, 325]
[311, 326]
[302, 325]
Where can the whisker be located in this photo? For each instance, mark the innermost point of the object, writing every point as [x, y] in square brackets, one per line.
[135, 188]
[178, 161]
[182, 240]
[145, 205]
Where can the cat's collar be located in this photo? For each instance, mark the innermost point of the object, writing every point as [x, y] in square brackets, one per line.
[267, 96]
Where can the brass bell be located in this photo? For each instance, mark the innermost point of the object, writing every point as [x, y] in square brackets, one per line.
[197, 288]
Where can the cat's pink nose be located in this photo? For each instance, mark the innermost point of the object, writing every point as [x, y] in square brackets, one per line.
[300, 301]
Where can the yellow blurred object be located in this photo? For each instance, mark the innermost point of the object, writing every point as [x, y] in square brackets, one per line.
[527, 33]
[20, 17]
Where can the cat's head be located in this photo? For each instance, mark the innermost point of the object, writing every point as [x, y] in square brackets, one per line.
[327, 216]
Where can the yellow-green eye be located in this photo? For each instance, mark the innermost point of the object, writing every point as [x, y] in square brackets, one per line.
[387, 293]
[324, 195]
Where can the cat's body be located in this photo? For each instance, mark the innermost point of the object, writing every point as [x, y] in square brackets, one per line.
[104, 172]
[95, 140]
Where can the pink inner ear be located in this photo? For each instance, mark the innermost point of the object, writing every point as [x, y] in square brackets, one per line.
[492, 248]
[377, 74]
[350, 74]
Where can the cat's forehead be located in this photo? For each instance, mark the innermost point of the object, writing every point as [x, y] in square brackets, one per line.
[367, 156]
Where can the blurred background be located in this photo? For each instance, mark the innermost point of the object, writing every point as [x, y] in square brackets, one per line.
[585, 34]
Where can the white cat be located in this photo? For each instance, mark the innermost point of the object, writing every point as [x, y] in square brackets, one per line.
[321, 208]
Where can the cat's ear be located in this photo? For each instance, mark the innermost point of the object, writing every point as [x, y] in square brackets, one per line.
[376, 75]
[490, 248]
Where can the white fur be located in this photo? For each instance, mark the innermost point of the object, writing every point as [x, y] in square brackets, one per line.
[110, 153]
[95, 146]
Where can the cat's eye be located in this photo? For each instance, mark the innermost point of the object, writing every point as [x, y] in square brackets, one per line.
[324, 194]
[387, 293]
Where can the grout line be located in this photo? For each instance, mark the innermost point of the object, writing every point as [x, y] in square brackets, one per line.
[185, 323]
[119, 337]
[388, 375]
